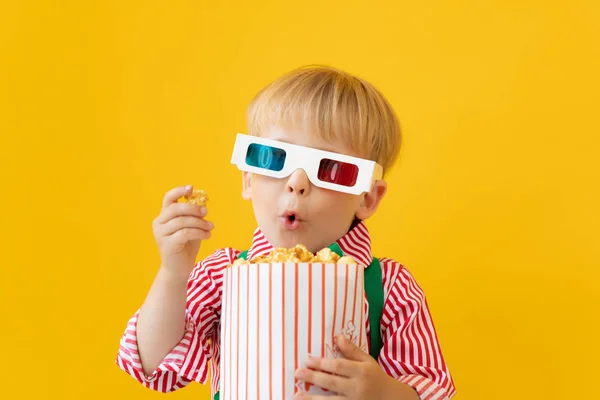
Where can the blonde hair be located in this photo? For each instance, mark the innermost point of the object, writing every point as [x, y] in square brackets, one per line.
[333, 105]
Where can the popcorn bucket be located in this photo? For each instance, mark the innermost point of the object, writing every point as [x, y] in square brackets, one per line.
[275, 314]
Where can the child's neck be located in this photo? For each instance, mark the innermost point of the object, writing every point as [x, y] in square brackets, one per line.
[354, 224]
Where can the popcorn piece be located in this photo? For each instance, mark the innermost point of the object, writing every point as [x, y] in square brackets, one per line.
[239, 261]
[256, 260]
[198, 197]
[346, 260]
[302, 254]
[326, 256]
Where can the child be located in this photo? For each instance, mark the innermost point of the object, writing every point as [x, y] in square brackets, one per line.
[169, 342]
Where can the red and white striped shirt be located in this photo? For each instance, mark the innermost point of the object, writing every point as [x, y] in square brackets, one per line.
[410, 353]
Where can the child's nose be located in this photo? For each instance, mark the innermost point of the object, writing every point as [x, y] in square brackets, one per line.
[298, 183]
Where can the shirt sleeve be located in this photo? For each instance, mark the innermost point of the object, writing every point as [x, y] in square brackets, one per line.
[411, 352]
[188, 361]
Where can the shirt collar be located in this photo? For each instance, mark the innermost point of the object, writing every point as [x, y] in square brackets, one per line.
[356, 243]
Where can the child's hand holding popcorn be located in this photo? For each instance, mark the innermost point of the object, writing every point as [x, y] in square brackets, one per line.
[178, 230]
[180, 227]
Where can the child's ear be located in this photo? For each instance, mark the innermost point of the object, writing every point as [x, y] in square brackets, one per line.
[246, 186]
[372, 200]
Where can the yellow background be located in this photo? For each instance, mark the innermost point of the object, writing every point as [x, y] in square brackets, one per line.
[105, 105]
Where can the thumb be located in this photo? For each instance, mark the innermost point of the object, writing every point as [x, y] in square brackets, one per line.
[350, 351]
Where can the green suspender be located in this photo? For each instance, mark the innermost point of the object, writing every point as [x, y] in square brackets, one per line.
[374, 290]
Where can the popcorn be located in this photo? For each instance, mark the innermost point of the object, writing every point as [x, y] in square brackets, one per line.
[346, 260]
[298, 254]
[198, 197]
[326, 256]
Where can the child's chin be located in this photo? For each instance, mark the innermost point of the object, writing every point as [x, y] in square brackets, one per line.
[289, 239]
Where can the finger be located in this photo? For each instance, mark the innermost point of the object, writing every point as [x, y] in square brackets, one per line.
[181, 209]
[324, 380]
[179, 223]
[335, 366]
[172, 195]
[188, 234]
[350, 351]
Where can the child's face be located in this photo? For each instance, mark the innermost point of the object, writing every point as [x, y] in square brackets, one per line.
[293, 211]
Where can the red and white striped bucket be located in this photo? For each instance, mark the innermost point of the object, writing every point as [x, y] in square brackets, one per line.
[274, 315]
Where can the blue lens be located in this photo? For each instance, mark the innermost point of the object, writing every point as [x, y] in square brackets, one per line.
[265, 157]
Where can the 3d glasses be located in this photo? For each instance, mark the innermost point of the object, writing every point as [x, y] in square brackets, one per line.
[325, 169]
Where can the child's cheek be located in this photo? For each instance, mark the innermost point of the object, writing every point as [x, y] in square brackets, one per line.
[344, 200]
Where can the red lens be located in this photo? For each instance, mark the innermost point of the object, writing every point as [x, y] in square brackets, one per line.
[338, 172]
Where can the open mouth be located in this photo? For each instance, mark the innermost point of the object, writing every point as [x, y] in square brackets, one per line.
[290, 220]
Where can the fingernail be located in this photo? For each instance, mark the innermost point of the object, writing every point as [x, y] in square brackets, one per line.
[188, 187]
[211, 225]
[203, 211]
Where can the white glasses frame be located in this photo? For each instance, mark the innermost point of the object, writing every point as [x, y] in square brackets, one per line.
[308, 159]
